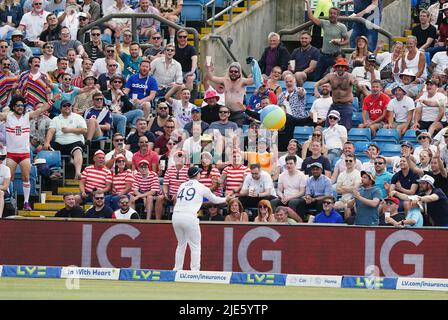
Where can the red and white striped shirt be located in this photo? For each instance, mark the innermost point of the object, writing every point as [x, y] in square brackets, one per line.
[18, 133]
[121, 179]
[145, 184]
[96, 177]
[207, 179]
[235, 176]
[174, 178]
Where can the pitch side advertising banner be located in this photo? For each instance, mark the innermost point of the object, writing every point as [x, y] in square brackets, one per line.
[248, 248]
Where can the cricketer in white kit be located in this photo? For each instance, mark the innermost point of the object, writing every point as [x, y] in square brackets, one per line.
[185, 222]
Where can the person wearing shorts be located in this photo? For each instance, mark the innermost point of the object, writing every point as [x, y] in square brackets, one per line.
[68, 129]
[18, 141]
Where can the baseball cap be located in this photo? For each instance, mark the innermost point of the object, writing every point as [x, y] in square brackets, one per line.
[65, 102]
[99, 152]
[428, 179]
[397, 202]
[193, 171]
[120, 157]
[407, 144]
[316, 164]
[18, 45]
[195, 109]
[430, 81]
[143, 162]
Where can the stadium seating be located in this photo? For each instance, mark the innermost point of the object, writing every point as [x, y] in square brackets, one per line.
[17, 184]
[302, 133]
[192, 11]
[356, 119]
[410, 135]
[361, 147]
[360, 134]
[387, 135]
[391, 150]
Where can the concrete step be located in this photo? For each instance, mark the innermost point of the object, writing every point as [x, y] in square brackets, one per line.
[36, 213]
[205, 31]
[402, 39]
[71, 182]
[53, 206]
[218, 23]
[62, 190]
[239, 9]
[252, 2]
[55, 198]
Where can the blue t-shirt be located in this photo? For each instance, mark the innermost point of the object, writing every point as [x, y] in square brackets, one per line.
[379, 182]
[141, 86]
[303, 58]
[416, 215]
[366, 215]
[334, 217]
[130, 66]
[94, 113]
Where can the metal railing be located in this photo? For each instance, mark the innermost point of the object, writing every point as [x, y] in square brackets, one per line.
[233, 4]
[227, 48]
[367, 23]
[134, 17]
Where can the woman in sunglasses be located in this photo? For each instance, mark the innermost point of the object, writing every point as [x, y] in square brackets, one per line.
[236, 212]
[122, 180]
[264, 212]
[316, 136]
[123, 111]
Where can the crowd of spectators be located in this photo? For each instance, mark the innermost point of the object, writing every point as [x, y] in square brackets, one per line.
[142, 101]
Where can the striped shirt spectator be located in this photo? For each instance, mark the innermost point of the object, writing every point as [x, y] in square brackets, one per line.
[233, 177]
[121, 179]
[174, 178]
[209, 179]
[147, 183]
[6, 83]
[96, 177]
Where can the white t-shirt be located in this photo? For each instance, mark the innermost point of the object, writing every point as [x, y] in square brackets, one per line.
[321, 106]
[383, 59]
[48, 65]
[108, 156]
[349, 180]
[340, 164]
[260, 185]
[191, 147]
[5, 172]
[282, 163]
[334, 135]
[125, 216]
[431, 113]
[74, 120]
[190, 196]
[34, 24]
[364, 77]
[441, 61]
[401, 108]
[182, 115]
[292, 183]
[18, 133]
[99, 67]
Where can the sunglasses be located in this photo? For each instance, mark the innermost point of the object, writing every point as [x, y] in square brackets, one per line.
[118, 161]
[65, 33]
[316, 135]
[113, 65]
[127, 35]
[98, 99]
[67, 79]
[163, 108]
[169, 50]
[99, 198]
[20, 105]
[4, 47]
[119, 140]
[110, 51]
[349, 161]
[118, 81]
[156, 38]
[421, 138]
[327, 202]
[234, 71]
[82, 18]
[332, 118]
[124, 202]
[262, 207]
[378, 163]
[390, 202]
[223, 111]
[96, 34]
[144, 142]
[182, 37]
[49, 47]
[6, 65]
[169, 127]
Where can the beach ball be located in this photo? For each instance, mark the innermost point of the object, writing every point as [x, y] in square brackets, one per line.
[273, 117]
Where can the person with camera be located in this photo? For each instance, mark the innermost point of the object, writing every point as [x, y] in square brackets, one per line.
[119, 149]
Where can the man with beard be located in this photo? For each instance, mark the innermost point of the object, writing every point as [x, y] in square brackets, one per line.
[71, 209]
[320, 107]
[157, 123]
[94, 48]
[142, 88]
[234, 90]
[8, 81]
[18, 141]
[341, 82]
[434, 201]
[32, 84]
[34, 23]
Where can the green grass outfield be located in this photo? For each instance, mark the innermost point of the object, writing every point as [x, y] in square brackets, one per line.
[16, 288]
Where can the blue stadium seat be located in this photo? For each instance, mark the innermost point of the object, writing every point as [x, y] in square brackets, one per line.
[360, 134]
[192, 11]
[360, 147]
[53, 158]
[391, 150]
[309, 85]
[303, 133]
[36, 51]
[356, 118]
[388, 135]
[356, 105]
[106, 38]
[310, 99]
[410, 135]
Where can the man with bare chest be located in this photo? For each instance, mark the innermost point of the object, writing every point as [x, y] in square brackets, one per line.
[234, 90]
[341, 85]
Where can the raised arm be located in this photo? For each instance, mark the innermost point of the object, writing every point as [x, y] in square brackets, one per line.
[315, 20]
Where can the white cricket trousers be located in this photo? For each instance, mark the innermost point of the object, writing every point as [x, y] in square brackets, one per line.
[188, 231]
